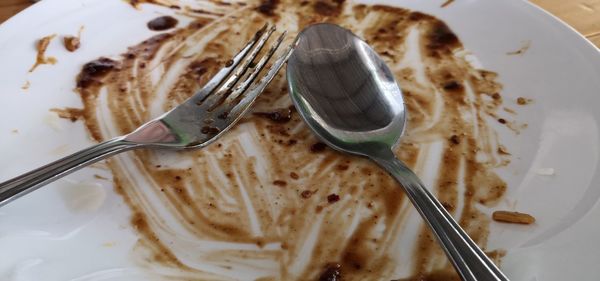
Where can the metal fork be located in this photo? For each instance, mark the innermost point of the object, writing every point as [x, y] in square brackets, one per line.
[197, 122]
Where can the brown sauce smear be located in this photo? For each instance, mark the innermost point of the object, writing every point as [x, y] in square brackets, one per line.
[136, 3]
[296, 187]
[41, 47]
[332, 273]
[267, 7]
[70, 113]
[447, 3]
[93, 72]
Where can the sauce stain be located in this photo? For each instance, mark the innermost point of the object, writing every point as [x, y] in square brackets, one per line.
[522, 50]
[41, 47]
[280, 115]
[331, 273]
[447, 3]
[268, 7]
[70, 113]
[162, 23]
[318, 147]
[72, 43]
[523, 101]
[269, 184]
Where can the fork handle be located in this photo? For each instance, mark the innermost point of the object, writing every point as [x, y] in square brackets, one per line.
[471, 263]
[30, 181]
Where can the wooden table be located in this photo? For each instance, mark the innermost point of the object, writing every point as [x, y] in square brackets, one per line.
[583, 15]
[10, 7]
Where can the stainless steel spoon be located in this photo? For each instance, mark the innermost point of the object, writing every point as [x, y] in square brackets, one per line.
[350, 99]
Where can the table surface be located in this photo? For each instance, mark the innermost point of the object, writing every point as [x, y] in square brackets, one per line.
[583, 15]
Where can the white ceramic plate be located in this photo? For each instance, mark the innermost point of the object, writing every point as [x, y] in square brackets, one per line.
[42, 238]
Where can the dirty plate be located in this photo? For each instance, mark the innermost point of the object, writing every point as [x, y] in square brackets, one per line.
[79, 228]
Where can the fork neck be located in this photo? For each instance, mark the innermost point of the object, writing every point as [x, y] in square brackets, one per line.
[153, 132]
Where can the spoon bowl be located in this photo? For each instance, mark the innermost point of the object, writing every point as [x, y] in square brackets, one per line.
[350, 99]
[344, 91]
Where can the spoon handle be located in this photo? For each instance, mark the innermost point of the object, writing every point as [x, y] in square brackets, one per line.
[470, 262]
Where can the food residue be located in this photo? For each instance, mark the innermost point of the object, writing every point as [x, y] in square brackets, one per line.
[318, 147]
[247, 191]
[455, 139]
[70, 113]
[521, 50]
[280, 183]
[332, 273]
[100, 177]
[332, 198]
[93, 72]
[72, 43]
[209, 130]
[445, 4]
[306, 194]
[502, 150]
[26, 85]
[280, 115]
[509, 110]
[42, 46]
[523, 101]
[162, 23]
[513, 217]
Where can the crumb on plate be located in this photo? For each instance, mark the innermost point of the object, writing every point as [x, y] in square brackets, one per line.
[513, 217]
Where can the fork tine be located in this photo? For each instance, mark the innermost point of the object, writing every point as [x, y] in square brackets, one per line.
[249, 96]
[226, 86]
[216, 80]
[259, 66]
